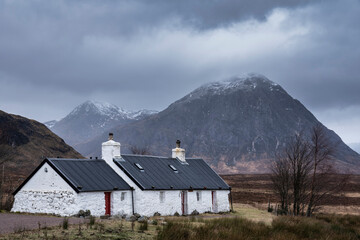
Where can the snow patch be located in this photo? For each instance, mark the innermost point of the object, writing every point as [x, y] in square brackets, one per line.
[245, 82]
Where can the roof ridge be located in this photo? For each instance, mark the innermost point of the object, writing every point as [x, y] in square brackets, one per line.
[76, 159]
[130, 155]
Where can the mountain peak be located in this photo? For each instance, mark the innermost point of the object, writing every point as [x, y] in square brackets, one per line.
[102, 108]
[244, 82]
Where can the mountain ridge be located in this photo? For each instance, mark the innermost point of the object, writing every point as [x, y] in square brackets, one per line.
[236, 125]
[92, 118]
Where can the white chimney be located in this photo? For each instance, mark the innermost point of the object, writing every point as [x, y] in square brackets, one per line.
[110, 149]
[179, 152]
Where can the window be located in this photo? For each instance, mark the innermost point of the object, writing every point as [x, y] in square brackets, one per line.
[162, 197]
[139, 167]
[173, 168]
[198, 196]
[123, 196]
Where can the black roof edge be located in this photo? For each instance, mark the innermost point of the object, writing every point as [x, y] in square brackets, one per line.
[46, 160]
[108, 190]
[129, 175]
[63, 176]
[29, 177]
[217, 174]
[188, 189]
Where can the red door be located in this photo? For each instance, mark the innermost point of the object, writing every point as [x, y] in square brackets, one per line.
[107, 203]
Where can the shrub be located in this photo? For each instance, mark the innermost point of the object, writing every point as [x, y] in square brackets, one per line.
[195, 212]
[143, 226]
[83, 213]
[157, 214]
[176, 214]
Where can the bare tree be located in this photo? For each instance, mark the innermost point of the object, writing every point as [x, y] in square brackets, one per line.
[321, 185]
[290, 175]
[281, 182]
[302, 172]
[297, 153]
[139, 150]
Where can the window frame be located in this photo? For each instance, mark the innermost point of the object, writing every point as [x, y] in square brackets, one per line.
[162, 196]
[198, 196]
[123, 196]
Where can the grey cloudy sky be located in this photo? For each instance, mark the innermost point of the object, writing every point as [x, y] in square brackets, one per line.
[146, 54]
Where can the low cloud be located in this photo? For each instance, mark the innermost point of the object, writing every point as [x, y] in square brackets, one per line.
[141, 55]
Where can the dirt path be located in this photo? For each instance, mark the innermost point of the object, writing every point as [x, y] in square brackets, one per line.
[10, 223]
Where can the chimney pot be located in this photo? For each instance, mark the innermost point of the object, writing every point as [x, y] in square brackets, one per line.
[111, 136]
[178, 143]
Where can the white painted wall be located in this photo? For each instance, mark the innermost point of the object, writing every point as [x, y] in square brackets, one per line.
[120, 207]
[204, 205]
[46, 181]
[148, 202]
[46, 192]
[223, 200]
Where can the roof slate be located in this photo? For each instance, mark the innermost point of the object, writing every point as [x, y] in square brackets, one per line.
[157, 174]
[88, 175]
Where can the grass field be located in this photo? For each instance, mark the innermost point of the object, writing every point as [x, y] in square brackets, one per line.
[256, 190]
[250, 219]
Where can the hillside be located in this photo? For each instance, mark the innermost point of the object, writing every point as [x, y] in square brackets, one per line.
[24, 143]
[236, 125]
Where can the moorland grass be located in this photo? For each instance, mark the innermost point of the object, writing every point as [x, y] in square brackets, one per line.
[320, 227]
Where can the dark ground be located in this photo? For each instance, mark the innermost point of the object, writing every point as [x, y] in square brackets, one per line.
[10, 222]
[257, 188]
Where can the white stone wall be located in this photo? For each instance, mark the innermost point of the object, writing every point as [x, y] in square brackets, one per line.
[57, 202]
[46, 181]
[204, 205]
[148, 202]
[93, 201]
[46, 192]
[223, 200]
[120, 207]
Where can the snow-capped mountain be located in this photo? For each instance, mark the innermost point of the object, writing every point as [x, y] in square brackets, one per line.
[92, 118]
[236, 125]
[50, 124]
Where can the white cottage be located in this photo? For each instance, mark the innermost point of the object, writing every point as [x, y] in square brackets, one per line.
[123, 184]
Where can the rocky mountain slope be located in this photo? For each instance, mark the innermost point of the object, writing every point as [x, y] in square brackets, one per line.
[235, 125]
[24, 143]
[91, 119]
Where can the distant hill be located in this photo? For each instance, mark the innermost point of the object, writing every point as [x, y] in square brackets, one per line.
[355, 146]
[24, 143]
[236, 125]
[92, 118]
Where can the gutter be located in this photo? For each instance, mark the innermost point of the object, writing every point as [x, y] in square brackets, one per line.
[132, 200]
[231, 201]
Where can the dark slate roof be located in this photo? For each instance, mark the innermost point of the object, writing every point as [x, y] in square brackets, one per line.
[84, 175]
[157, 174]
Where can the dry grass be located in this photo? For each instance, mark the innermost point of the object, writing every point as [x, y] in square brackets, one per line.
[321, 227]
[253, 214]
[102, 229]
